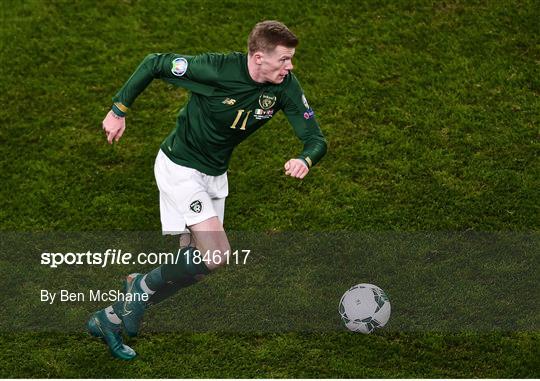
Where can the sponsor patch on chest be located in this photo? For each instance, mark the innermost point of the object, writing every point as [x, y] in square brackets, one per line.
[260, 114]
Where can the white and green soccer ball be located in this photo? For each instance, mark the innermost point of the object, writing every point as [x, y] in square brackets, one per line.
[364, 308]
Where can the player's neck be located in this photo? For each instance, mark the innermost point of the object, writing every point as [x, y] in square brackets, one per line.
[254, 71]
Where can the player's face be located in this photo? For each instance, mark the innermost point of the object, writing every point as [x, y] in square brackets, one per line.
[276, 64]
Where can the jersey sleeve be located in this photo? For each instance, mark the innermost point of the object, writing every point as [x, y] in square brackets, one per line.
[302, 118]
[194, 73]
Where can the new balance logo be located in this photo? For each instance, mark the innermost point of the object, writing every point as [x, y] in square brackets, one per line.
[229, 101]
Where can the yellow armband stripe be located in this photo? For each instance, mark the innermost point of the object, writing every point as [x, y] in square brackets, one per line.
[121, 107]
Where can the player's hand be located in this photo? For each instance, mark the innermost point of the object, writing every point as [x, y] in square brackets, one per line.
[114, 126]
[296, 168]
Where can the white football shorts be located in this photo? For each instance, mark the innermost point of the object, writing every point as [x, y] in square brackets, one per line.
[187, 196]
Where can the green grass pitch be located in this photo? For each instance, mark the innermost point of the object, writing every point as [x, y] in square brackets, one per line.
[431, 110]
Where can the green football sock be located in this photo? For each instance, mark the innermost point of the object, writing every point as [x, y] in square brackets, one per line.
[169, 290]
[168, 278]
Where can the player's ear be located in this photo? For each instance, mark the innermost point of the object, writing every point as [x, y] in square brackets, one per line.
[258, 57]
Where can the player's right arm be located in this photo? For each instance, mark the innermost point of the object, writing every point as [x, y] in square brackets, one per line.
[114, 126]
[191, 72]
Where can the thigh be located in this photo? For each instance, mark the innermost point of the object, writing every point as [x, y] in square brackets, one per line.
[210, 238]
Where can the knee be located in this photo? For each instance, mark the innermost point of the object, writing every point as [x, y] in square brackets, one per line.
[220, 256]
[216, 255]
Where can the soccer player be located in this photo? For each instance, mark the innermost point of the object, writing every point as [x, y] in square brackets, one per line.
[232, 96]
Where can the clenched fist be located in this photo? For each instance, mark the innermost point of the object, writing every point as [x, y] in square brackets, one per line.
[114, 126]
[296, 168]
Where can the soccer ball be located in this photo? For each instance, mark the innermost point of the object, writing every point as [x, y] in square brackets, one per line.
[364, 308]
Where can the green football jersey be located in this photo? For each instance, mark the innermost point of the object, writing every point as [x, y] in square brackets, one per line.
[225, 106]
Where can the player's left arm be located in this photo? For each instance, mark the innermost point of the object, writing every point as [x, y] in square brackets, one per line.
[302, 118]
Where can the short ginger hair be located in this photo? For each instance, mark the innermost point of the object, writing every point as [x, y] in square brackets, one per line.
[266, 35]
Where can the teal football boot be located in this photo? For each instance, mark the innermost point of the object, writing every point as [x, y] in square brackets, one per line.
[100, 326]
[131, 310]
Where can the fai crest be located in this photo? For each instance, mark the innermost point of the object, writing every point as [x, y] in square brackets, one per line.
[267, 101]
[196, 206]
